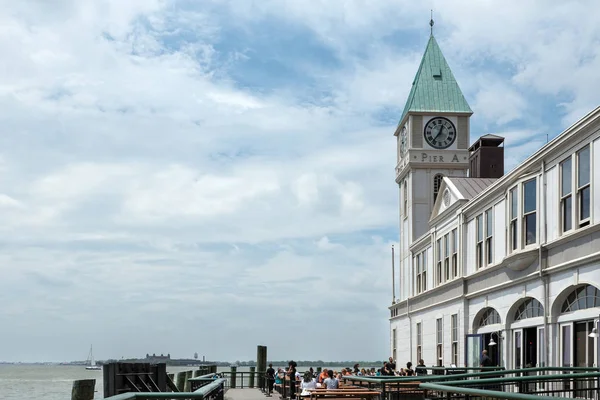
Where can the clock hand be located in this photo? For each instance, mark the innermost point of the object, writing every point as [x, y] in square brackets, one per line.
[438, 133]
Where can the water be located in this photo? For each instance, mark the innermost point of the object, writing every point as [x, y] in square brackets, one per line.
[54, 382]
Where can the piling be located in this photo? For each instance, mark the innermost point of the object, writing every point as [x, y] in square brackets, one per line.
[181, 381]
[261, 364]
[233, 377]
[83, 389]
[188, 384]
[251, 380]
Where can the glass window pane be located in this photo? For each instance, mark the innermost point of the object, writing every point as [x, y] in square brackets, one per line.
[446, 246]
[454, 241]
[530, 229]
[566, 346]
[489, 223]
[567, 213]
[529, 196]
[513, 234]
[479, 228]
[565, 177]
[584, 203]
[583, 167]
[513, 203]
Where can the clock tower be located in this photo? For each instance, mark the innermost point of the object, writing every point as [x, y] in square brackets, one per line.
[433, 137]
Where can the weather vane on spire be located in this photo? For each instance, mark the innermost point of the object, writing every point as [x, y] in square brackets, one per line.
[431, 23]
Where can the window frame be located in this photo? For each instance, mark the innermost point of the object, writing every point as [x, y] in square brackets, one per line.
[405, 198]
[419, 340]
[580, 188]
[454, 337]
[437, 183]
[513, 219]
[566, 197]
[439, 335]
[438, 271]
[489, 236]
[524, 215]
[447, 257]
[479, 236]
[454, 253]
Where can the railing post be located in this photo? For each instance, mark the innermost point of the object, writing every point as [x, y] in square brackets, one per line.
[233, 376]
[181, 381]
[83, 389]
[252, 373]
[188, 384]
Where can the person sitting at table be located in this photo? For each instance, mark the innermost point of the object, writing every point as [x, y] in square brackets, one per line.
[408, 371]
[322, 375]
[308, 382]
[331, 382]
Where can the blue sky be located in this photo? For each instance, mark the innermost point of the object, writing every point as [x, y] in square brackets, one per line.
[220, 174]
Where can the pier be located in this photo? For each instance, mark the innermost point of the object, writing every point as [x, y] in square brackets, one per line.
[151, 382]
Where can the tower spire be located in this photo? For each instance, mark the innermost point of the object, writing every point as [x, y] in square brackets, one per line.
[431, 23]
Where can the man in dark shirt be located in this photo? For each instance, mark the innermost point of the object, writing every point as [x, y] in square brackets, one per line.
[391, 366]
[485, 360]
[270, 378]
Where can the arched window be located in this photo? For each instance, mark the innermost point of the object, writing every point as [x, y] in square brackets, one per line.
[437, 182]
[586, 296]
[529, 308]
[489, 317]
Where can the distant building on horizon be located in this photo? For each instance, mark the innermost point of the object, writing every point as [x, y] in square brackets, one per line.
[506, 263]
[158, 359]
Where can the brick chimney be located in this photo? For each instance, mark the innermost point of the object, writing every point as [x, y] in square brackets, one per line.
[486, 157]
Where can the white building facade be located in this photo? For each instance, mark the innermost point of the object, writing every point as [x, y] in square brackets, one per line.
[508, 263]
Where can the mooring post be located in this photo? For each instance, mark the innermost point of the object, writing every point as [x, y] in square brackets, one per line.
[252, 373]
[232, 379]
[181, 381]
[261, 364]
[188, 384]
[83, 389]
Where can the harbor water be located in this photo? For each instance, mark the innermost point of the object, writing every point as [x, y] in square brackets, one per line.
[54, 382]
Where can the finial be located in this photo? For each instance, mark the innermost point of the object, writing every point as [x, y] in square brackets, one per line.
[431, 23]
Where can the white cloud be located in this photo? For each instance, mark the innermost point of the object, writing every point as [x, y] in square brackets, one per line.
[144, 164]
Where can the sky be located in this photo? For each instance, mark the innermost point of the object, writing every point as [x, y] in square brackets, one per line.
[185, 176]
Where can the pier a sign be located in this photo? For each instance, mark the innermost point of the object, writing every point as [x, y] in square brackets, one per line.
[434, 159]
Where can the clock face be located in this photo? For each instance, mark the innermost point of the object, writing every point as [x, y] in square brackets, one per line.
[440, 133]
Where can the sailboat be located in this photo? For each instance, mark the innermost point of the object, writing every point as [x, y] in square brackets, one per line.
[92, 363]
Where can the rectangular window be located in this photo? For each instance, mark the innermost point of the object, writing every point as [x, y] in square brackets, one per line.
[439, 341]
[479, 248]
[438, 271]
[419, 341]
[513, 218]
[454, 254]
[583, 186]
[394, 343]
[446, 258]
[454, 323]
[566, 199]
[489, 229]
[417, 274]
[529, 211]
[405, 198]
[424, 270]
[420, 272]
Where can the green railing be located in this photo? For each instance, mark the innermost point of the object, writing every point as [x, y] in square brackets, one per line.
[504, 384]
[211, 390]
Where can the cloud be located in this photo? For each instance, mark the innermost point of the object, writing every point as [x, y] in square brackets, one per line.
[227, 168]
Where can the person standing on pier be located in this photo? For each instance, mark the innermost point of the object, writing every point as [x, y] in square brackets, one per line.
[291, 372]
[270, 378]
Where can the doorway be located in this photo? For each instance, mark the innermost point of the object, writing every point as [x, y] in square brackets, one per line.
[494, 351]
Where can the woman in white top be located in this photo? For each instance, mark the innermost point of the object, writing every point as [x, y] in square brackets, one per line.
[308, 382]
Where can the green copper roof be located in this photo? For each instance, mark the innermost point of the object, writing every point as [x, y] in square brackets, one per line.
[435, 88]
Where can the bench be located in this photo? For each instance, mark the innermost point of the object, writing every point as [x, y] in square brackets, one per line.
[347, 393]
